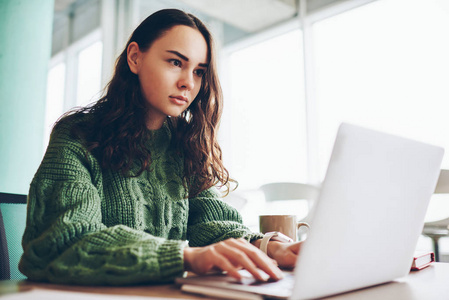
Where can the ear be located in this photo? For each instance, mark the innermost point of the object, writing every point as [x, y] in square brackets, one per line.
[133, 56]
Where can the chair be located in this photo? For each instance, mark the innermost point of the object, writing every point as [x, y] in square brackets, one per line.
[291, 191]
[12, 226]
[438, 229]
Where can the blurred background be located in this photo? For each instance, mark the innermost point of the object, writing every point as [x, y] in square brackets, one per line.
[291, 71]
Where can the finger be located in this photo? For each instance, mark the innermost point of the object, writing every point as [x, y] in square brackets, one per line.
[239, 257]
[221, 262]
[242, 240]
[289, 260]
[245, 242]
[295, 247]
[257, 258]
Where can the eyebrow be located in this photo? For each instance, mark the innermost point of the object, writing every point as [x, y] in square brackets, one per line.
[183, 57]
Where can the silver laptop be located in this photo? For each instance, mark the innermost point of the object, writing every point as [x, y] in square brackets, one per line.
[365, 224]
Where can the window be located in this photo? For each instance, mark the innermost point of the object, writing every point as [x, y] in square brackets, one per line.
[89, 74]
[382, 65]
[265, 115]
[55, 96]
[389, 75]
[74, 78]
[385, 66]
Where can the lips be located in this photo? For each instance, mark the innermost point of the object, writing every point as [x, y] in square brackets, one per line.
[180, 100]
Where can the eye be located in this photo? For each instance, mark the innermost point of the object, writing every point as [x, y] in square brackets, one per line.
[175, 62]
[199, 72]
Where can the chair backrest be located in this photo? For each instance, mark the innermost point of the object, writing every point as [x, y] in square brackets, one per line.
[443, 183]
[291, 191]
[441, 188]
[12, 226]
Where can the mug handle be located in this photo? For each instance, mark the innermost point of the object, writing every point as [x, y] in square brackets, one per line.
[299, 225]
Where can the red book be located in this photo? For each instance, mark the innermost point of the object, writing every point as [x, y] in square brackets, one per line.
[422, 260]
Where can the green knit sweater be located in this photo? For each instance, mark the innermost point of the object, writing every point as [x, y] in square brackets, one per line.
[89, 225]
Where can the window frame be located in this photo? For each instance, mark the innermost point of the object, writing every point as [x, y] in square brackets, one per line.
[303, 21]
[69, 57]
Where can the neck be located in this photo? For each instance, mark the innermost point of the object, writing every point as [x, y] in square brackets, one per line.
[155, 123]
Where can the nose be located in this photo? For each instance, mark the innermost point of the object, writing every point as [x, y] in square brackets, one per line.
[186, 81]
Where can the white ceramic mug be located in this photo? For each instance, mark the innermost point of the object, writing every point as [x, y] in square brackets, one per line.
[286, 224]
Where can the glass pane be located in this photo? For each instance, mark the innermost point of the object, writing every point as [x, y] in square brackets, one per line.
[55, 98]
[267, 113]
[89, 74]
[390, 75]
[385, 66]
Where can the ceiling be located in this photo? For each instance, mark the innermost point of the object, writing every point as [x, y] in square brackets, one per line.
[63, 5]
[246, 15]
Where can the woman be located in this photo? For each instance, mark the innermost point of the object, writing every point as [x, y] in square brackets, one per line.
[126, 182]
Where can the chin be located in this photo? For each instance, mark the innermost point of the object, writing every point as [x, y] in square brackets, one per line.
[174, 114]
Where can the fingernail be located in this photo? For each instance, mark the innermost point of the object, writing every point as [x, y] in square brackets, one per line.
[263, 276]
[260, 275]
[279, 275]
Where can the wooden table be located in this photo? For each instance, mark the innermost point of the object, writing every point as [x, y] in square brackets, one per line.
[430, 283]
[25, 289]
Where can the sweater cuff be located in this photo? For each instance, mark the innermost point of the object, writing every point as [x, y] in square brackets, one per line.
[171, 259]
[253, 236]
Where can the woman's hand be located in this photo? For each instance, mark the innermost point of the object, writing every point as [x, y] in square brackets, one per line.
[285, 254]
[230, 256]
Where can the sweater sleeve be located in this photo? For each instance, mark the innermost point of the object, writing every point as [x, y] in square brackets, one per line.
[212, 220]
[65, 240]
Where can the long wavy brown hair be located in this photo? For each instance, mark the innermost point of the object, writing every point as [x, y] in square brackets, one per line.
[116, 133]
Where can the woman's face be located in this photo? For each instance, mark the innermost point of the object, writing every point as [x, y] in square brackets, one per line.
[170, 72]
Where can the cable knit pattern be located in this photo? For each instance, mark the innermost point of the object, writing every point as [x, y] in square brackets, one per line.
[87, 225]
